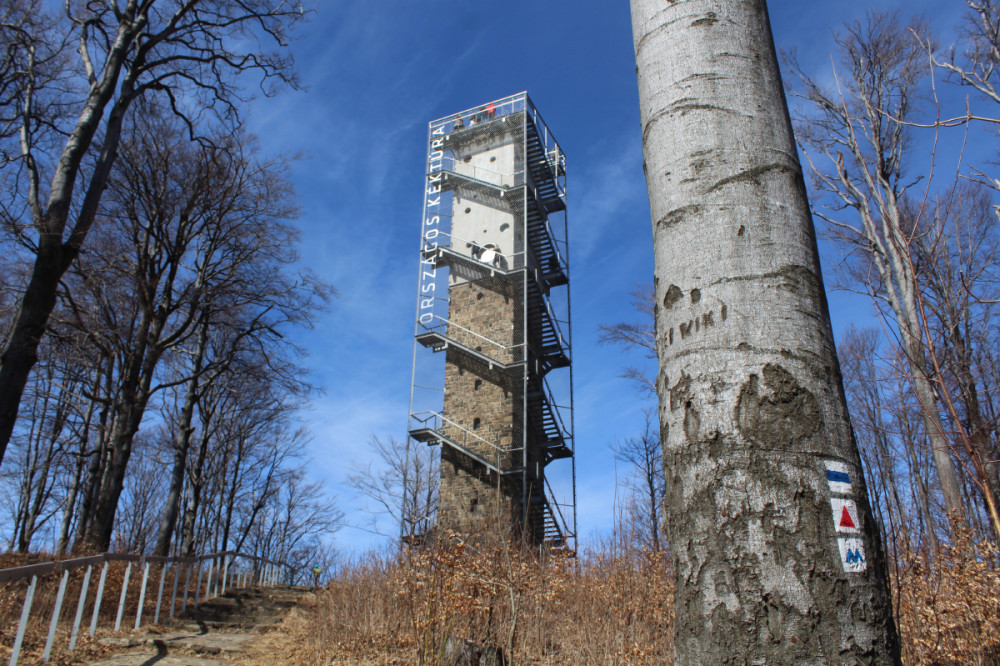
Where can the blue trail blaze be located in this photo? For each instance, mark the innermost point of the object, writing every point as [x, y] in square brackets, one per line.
[837, 477]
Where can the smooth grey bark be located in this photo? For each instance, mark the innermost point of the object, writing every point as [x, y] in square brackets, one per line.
[751, 399]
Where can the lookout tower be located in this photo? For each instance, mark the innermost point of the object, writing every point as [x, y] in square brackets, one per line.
[492, 375]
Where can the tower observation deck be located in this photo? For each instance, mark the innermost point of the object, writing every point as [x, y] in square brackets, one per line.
[492, 374]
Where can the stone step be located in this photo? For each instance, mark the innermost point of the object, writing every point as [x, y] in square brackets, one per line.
[184, 642]
[234, 624]
[147, 658]
[218, 627]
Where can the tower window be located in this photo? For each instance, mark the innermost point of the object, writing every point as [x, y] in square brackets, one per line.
[493, 159]
[473, 505]
[468, 210]
[479, 385]
[504, 227]
[476, 423]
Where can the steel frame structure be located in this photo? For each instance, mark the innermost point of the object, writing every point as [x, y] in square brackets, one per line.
[517, 340]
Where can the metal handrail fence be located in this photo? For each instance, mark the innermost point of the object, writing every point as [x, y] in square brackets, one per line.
[556, 411]
[224, 570]
[435, 420]
[503, 107]
[557, 514]
[482, 174]
[443, 327]
[511, 262]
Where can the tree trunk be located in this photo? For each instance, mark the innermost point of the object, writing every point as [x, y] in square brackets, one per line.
[752, 406]
[182, 442]
[22, 349]
[902, 299]
[195, 483]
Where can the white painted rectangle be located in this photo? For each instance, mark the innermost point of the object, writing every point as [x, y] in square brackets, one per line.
[845, 515]
[852, 554]
[838, 477]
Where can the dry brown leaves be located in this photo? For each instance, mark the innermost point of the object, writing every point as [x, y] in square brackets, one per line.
[949, 605]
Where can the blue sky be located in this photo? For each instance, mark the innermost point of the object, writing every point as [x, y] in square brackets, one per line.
[376, 73]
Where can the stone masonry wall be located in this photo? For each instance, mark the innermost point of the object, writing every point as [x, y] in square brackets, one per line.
[485, 404]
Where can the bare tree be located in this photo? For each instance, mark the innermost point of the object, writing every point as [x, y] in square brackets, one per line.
[294, 525]
[975, 64]
[752, 410]
[402, 483]
[856, 138]
[204, 238]
[640, 334]
[187, 53]
[955, 259]
[646, 484]
[645, 481]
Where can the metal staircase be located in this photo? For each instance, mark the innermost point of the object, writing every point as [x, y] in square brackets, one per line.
[551, 348]
[550, 530]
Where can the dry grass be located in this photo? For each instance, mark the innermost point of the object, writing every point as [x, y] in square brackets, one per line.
[614, 606]
[609, 608]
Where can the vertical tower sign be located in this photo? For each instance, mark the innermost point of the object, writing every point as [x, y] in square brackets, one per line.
[492, 378]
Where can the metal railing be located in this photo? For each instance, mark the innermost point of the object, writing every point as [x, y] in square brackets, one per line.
[224, 570]
[482, 174]
[483, 113]
[435, 421]
[506, 264]
[443, 327]
[564, 432]
[557, 513]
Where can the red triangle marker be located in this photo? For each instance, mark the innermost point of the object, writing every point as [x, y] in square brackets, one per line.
[845, 519]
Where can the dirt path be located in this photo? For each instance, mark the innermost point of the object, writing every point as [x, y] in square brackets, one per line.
[209, 636]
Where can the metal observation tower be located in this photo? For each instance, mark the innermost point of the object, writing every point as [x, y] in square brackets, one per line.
[492, 374]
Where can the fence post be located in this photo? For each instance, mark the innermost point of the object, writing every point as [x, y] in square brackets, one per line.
[23, 624]
[159, 595]
[79, 607]
[197, 589]
[47, 652]
[208, 579]
[187, 581]
[173, 595]
[121, 600]
[142, 594]
[99, 598]
[213, 572]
